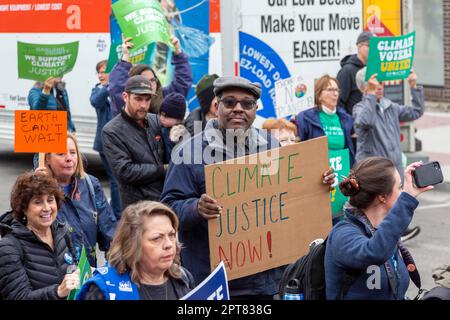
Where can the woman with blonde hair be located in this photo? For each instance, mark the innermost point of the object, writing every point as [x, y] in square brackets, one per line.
[144, 259]
[284, 131]
[327, 118]
[85, 209]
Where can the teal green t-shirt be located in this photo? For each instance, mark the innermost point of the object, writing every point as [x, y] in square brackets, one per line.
[333, 130]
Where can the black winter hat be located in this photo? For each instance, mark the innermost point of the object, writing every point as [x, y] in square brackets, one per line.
[173, 106]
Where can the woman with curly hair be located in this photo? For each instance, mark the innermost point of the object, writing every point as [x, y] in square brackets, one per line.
[35, 248]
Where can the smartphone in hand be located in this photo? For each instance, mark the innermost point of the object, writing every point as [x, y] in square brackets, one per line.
[428, 174]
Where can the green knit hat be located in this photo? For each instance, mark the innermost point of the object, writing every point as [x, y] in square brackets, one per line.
[205, 82]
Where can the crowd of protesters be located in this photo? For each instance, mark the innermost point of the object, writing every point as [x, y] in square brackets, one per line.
[154, 230]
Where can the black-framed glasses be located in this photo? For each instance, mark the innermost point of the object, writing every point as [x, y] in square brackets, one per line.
[231, 102]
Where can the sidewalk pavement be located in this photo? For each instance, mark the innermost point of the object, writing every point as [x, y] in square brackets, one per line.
[433, 129]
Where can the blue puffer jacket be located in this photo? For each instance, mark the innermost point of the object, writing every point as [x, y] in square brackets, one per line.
[184, 185]
[41, 101]
[181, 83]
[88, 224]
[100, 101]
[309, 127]
[351, 245]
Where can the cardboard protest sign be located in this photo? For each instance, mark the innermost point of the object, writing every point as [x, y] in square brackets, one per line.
[273, 205]
[340, 161]
[214, 287]
[41, 61]
[293, 95]
[143, 20]
[85, 273]
[391, 57]
[40, 131]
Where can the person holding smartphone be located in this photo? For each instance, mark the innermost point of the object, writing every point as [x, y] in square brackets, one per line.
[368, 239]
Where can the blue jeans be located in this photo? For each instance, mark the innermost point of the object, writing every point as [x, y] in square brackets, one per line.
[115, 196]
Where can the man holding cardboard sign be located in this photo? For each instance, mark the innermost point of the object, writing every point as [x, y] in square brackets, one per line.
[228, 137]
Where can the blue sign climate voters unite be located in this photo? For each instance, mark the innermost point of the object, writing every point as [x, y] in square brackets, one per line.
[260, 63]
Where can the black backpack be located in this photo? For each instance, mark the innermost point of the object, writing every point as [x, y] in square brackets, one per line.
[304, 279]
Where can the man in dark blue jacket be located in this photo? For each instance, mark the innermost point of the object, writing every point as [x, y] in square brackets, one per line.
[184, 188]
[100, 101]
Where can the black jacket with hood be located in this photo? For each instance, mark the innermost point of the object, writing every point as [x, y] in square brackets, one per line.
[350, 94]
[32, 271]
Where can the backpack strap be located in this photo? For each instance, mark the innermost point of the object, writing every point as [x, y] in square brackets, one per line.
[350, 276]
[91, 190]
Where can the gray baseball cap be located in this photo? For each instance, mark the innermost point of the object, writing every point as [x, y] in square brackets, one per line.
[223, 83]
[138, 85]
[364, 37]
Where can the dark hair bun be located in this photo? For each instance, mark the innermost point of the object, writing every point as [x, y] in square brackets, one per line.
[349, 186]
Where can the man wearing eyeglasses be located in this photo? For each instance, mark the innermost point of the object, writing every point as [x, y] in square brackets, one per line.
[351, 64]
[229, 136]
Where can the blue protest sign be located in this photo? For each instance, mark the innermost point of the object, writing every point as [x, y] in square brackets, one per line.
[215, 287]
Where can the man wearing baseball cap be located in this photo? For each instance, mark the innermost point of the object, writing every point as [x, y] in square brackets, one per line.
[133, 146]
[351, 64]
[229, 136]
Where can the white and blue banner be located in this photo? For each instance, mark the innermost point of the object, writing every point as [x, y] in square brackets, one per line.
[214, 287]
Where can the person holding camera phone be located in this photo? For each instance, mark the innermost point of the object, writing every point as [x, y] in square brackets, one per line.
[367, 241]
[377, 123]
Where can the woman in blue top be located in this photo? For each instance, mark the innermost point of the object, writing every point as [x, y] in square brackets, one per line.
[144, 260]
[85, 209]
[367, 240]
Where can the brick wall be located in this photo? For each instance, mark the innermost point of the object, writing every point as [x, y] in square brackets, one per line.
[442, 94]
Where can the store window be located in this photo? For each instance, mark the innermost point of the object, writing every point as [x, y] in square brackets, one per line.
[429, 53]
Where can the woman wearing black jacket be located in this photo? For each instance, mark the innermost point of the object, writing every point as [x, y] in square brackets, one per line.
[34, 248]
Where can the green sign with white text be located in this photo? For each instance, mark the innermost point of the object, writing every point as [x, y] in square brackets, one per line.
[41, 61]
[391, 57]
[143, 20]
